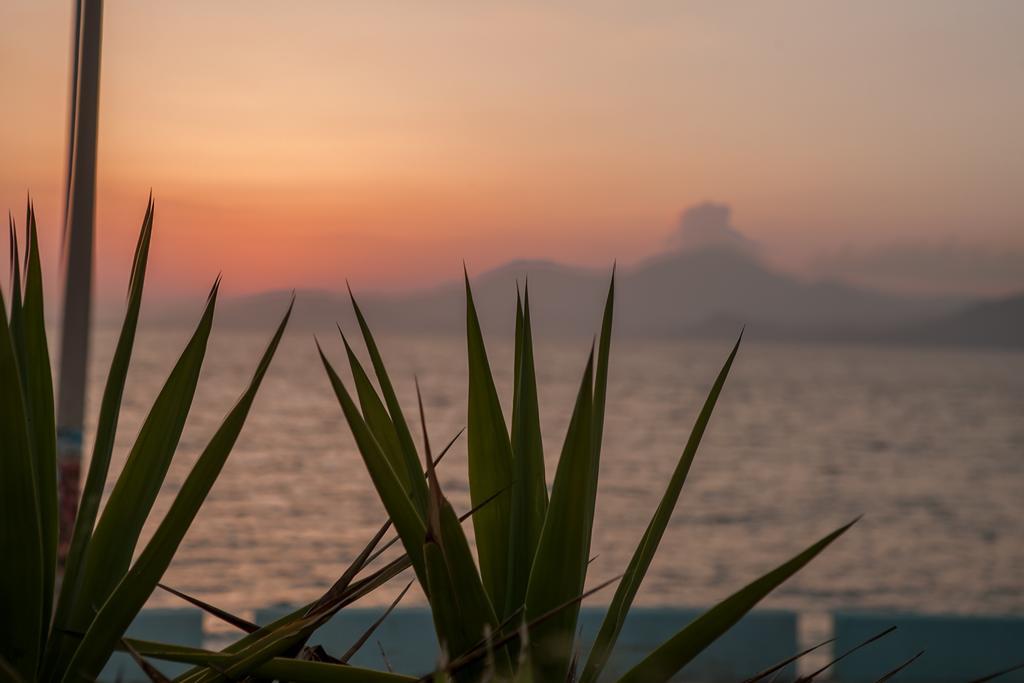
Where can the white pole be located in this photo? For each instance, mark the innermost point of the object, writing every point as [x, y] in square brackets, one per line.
[78, 248]
[76, 37]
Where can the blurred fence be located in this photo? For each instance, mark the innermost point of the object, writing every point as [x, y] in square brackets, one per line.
[956, 648]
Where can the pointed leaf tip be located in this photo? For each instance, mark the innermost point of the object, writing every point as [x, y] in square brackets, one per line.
[344, 339]
[215, 288]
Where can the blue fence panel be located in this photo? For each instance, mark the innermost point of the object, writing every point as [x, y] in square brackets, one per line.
[406, 636]
[174, 626]
[761, 639]
[957, 648]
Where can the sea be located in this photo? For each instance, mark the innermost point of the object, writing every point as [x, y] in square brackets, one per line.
[924, 445]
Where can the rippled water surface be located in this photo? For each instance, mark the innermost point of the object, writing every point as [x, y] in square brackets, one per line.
[928, 445]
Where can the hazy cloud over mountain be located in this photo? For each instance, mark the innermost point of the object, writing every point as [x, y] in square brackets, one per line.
[709, 225]
[929, 268]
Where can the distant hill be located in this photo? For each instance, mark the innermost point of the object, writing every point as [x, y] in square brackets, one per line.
[710, 291]
[995, 323]
[687, 290]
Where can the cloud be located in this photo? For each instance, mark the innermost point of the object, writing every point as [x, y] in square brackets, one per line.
[930, 268]
[709, 226]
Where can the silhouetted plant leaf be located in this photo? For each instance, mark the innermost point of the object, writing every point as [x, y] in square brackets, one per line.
[679, 650]
[225, 616]
[490, 462]
[529, 489]
[560, 565]
[899, 668]
[21, 534]
[644, 553]
[131, 593]
[103, 446]
[814, 674]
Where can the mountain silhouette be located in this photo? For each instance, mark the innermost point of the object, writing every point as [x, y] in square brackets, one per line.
[693, 292]
[994, 323]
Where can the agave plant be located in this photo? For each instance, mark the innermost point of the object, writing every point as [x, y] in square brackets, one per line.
[62, 623]
[68, 634]
[510, 612]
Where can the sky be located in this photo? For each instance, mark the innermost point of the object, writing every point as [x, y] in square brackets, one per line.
[297, 144]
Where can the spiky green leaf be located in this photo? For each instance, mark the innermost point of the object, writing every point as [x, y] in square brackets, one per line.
[407, 520]
[679, 650]
[109, 551]
[462, 612]
[490, 462]
[21, 535]
[103, 446]
[294, 670]
[16, 295]
[644, 553]
[412, 463]
[384, 431]
[560, 566]
[38, 390]
[529, 489]
[134, 589]
[600, 398]
[448, 623]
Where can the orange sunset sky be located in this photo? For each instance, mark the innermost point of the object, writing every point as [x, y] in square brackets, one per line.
[294, 144]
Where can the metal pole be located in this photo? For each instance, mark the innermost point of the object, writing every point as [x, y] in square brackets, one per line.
[78, 241]
[76, 36]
